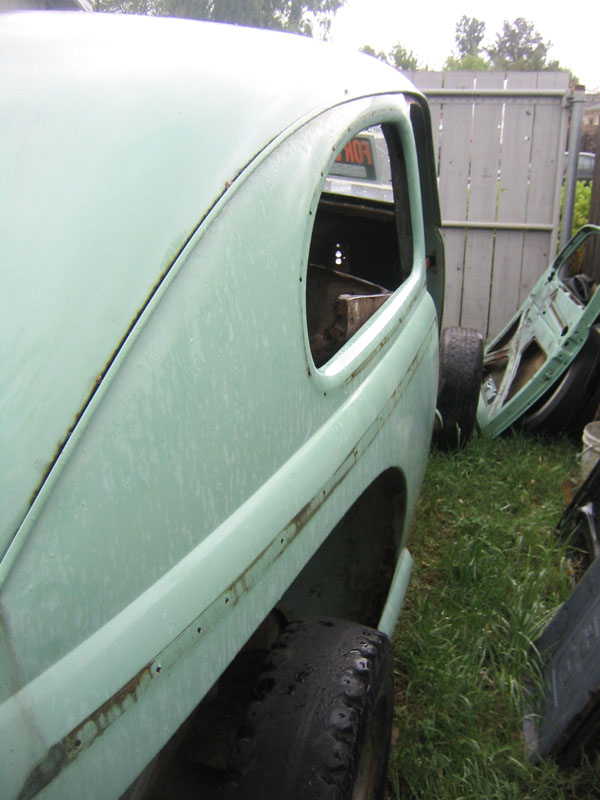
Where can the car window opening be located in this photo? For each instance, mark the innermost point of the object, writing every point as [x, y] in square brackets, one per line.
[361, 246]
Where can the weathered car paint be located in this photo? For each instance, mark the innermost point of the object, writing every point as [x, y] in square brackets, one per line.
[552, 320]
[175, 147]
[210, 458]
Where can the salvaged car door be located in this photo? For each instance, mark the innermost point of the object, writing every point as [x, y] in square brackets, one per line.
[542, 371]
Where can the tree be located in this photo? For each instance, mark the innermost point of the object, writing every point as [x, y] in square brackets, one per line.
[469, 35]
[519, 47]
[368, 50]
[401, 58]
[298, 16]
[468, 63]
[398, 57]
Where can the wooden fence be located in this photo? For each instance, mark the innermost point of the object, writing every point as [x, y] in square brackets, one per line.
[500, 140]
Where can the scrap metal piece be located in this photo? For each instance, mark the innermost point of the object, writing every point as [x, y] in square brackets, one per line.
[532, 366]
[560, 721]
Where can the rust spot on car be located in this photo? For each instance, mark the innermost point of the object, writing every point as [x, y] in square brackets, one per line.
[63, 753]
[287, 534]
[53, 460]
[244, 582]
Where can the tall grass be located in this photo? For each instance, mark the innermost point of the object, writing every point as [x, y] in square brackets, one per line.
[489, 574]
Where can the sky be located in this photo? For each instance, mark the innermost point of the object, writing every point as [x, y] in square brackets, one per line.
[427, 28]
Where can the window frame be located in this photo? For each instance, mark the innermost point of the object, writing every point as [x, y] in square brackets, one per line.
[387, 321]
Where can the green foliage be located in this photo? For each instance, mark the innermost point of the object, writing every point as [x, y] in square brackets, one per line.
[127, 6]
[489, 573]
[398, 57]
[368, 50]
[297, 16]
[581, 205]
[469, 35]
[401, 58]
[468, 63]
[519, 47]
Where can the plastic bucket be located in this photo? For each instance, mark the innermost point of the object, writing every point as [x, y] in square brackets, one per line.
[591, 448]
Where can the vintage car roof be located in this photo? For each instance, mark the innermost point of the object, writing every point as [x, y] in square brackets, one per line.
[118, 136]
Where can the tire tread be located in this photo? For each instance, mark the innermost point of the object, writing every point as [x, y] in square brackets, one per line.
[300, 737]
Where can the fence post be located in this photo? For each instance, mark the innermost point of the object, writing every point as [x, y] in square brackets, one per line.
[591, 262]
[576, 102]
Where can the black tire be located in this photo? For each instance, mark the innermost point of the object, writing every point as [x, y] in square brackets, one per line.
[571, 402]
[461, 370]
[321, 727]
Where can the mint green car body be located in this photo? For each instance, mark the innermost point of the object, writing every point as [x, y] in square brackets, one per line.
[173, 457]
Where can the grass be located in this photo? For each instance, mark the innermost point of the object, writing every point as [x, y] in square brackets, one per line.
[489, 573]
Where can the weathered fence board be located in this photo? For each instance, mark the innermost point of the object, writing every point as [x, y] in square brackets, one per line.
[499, 144]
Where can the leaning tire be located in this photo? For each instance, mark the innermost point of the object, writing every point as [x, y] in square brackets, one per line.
[571, 402]
[461, 369]
[320, 729]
